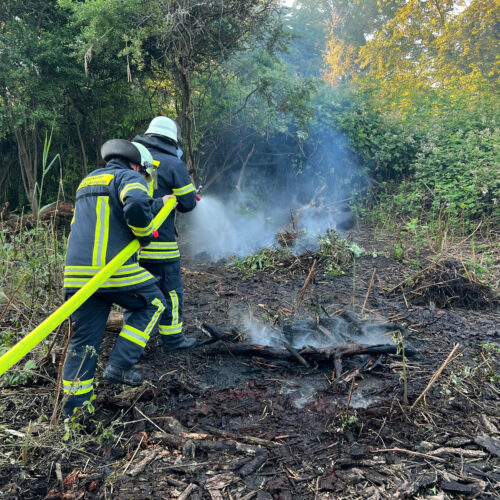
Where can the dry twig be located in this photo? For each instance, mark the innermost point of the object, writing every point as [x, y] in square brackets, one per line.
[187, 492]
[369, 288]
[436, 375]
[302, 292]
[59, 373]
[409, 452]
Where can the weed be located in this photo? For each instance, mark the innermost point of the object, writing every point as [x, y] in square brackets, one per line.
[342, 422]
[483, 369]
[22, 376]
[45, 170]
[398, 339]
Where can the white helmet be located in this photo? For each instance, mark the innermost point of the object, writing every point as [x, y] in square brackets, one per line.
[146, 157]
[161, 125]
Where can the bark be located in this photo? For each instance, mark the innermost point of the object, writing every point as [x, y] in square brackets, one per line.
[80, 138]
[28, 161]
[243, 166]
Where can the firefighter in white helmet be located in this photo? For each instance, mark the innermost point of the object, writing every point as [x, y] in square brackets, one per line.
[161, 257]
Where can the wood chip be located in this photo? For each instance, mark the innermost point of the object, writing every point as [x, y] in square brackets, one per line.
[13, 432]
[221, 481]
[489, 443]
[490, 426]
[147, 457]
[187, 492]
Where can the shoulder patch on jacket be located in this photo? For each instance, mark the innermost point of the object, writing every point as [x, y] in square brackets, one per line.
[96, 180]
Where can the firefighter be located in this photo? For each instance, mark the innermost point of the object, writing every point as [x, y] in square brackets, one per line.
[113, 206]
[161, 257]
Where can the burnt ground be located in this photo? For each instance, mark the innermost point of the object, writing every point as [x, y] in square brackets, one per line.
[214, 424]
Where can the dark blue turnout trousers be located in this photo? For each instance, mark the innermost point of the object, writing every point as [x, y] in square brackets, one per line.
[170, 283]
[143, 309]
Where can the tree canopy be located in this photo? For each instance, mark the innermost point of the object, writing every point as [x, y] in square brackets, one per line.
[323, 92]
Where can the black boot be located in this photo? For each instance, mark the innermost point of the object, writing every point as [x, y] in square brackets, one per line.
[177, 341]
[116, 375]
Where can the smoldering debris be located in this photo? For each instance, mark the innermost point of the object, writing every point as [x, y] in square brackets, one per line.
[234, 227]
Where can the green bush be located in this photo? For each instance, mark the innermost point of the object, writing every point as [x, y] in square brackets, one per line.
[455, 177]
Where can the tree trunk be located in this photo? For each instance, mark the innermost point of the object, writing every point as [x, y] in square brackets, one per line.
[28, 160]
[80, 138]
[243, 166]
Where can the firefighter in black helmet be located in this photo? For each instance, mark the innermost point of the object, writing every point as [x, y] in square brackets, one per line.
[162, 257]
[113, 206]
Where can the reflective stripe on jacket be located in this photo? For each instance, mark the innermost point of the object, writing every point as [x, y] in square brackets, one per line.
[173, 178]
[112, 208]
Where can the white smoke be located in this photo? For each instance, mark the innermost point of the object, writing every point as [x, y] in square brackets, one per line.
[222, 229]
[303, 334]
[229, 228]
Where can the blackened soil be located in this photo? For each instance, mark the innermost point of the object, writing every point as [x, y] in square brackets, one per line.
[213, 424]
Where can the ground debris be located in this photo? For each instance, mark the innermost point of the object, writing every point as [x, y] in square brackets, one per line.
[255, 427]
[410, 488]
[447, 283]
[471, 490]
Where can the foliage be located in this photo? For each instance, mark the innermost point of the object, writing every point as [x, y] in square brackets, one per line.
[424, 115]
[413, 105]
[266, 259]
[337, 253]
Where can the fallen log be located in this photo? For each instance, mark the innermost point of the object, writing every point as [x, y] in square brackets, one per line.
[336, 352]
[115, 321]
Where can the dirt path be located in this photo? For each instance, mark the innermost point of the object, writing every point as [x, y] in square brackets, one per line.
[212, 424]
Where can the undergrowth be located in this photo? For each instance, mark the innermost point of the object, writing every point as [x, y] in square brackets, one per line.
[31, 271]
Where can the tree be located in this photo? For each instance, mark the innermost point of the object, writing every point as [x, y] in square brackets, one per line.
[351, 24]
[175, 43]
[32, 86]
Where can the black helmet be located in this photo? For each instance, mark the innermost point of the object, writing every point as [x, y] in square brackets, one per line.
[122, 148]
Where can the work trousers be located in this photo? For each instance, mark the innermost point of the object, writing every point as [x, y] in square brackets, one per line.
[143, 309]
[170, 283]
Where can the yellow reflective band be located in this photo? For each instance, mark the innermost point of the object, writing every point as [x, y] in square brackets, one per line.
[156, 163]
[183, 190]
[130, 187]
[127, 269]
[142, 231]
[133, 339]
[76, 387]
[159, 255]
[171, 329]
[101, 231]
[70, 282]
[160, 308]
[169, 245]
[96, 180]
[174, 298]
[134, 335]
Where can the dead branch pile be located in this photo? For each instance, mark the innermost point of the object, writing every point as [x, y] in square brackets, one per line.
[334, 253]
[446, 284]
[57, 214]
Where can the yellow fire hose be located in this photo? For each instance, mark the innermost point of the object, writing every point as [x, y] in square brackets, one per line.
[25, 345]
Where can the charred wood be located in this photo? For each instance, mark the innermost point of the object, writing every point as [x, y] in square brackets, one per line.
[343, 350]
